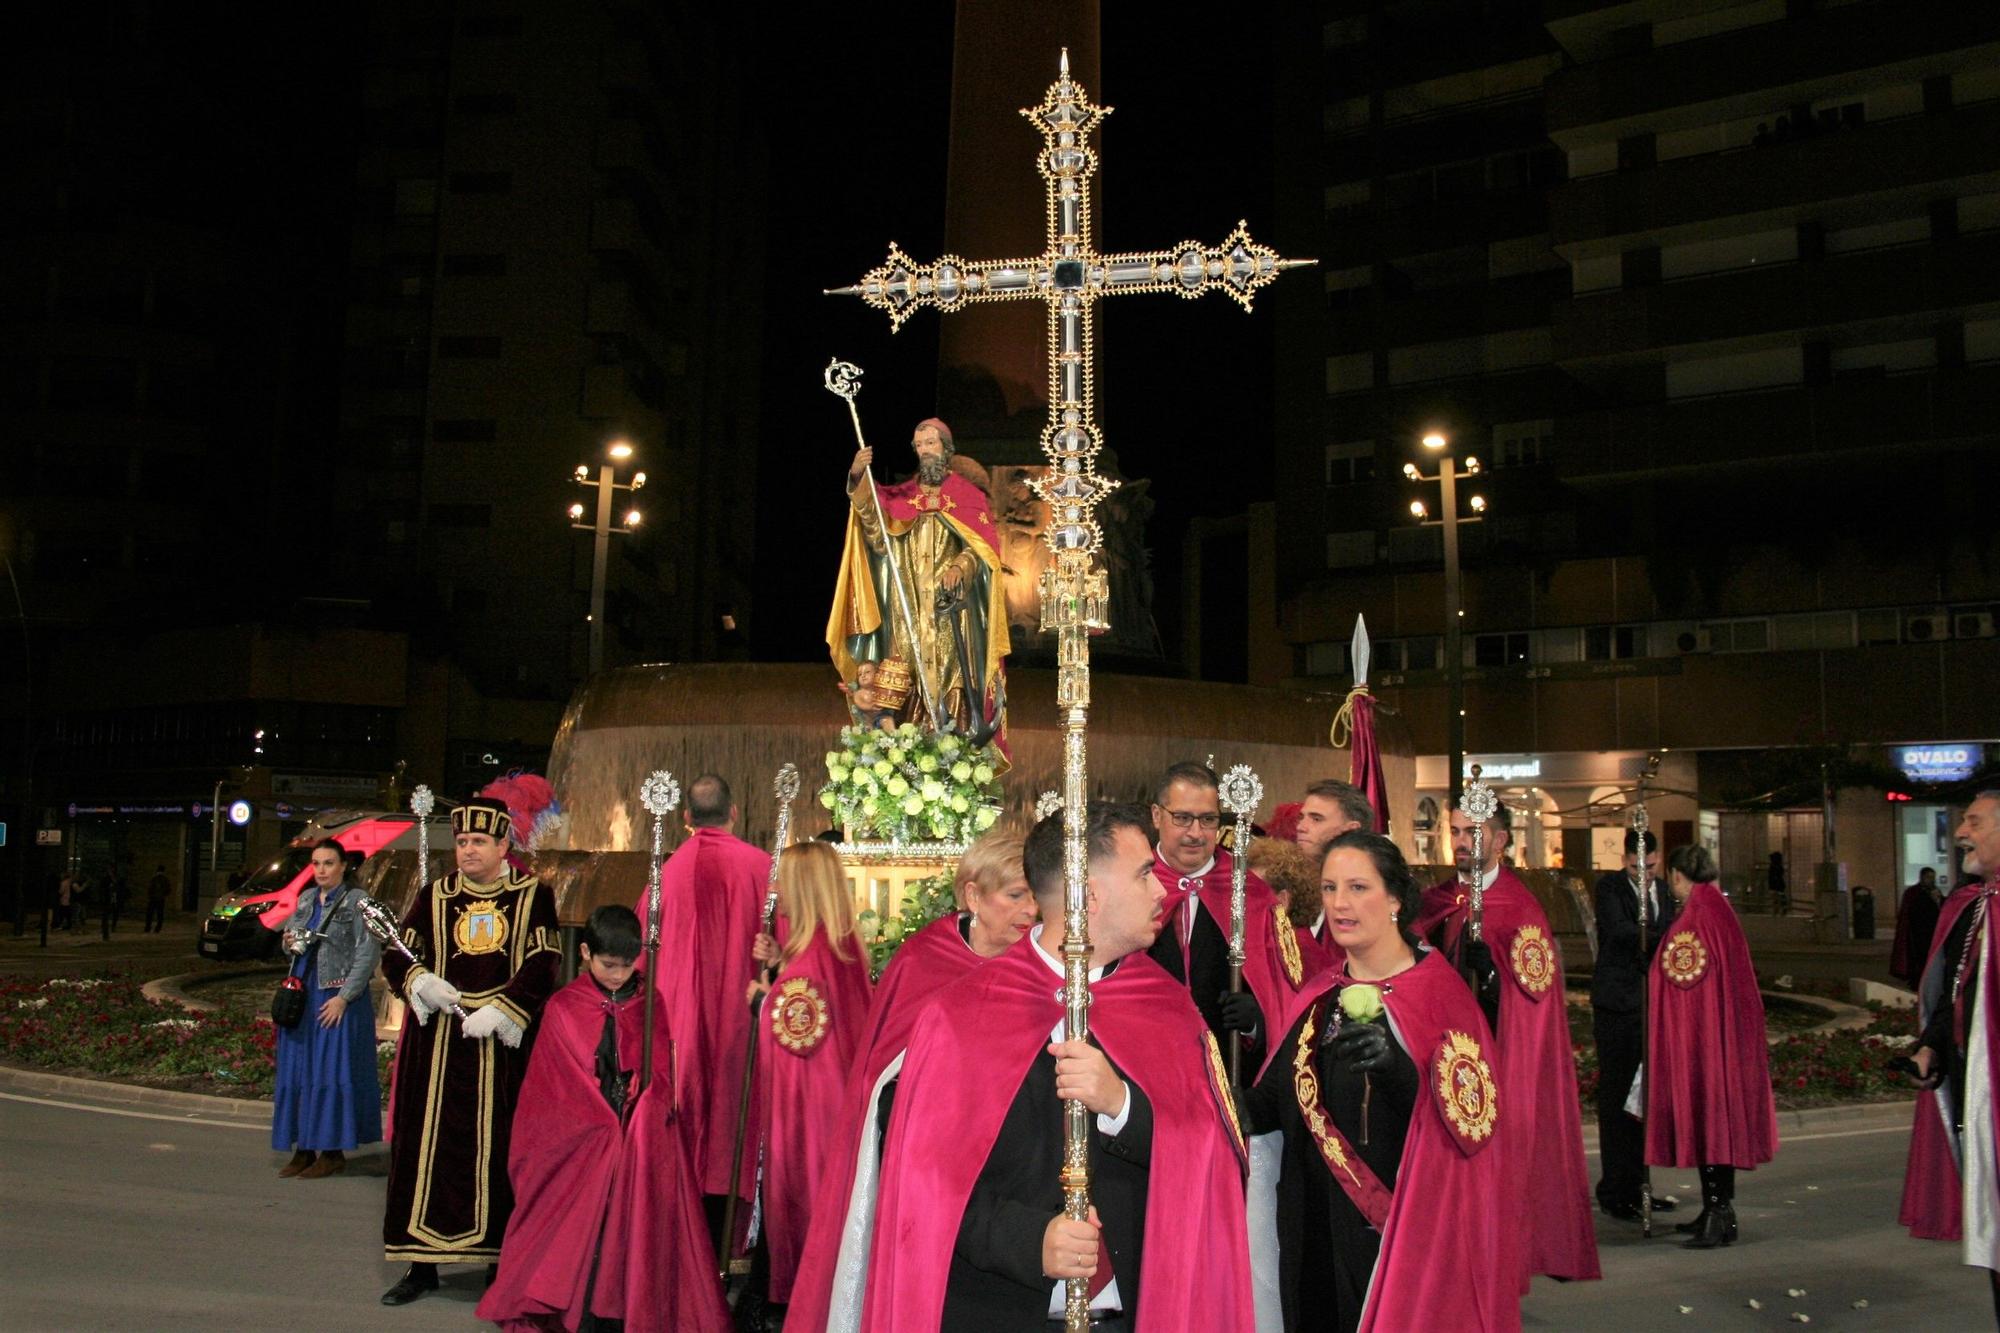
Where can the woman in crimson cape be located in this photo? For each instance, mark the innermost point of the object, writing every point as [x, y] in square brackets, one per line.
[808, 1034]
[1385, 1089]
[998, 910]
[607, 1220]
[1708, 1072]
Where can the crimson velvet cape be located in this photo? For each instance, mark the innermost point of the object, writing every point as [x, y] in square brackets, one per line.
[1946, 1170]
[1448, 1256]
[1708, 1069]
[577, 1171]
[448, 1199]
[1273, 965]
[969, 1053]
[1541, 1128]
[844, 1213]
[711, 903]
[808, 1035]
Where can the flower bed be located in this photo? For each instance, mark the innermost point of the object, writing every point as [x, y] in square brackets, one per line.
[104, 1027]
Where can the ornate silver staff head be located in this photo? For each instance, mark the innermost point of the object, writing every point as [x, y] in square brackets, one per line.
[378, 921]
[659, 794]
[1241, 790]
[1047, 804]
[843, 379]
[1478, 804]
[787, 790]
[422, 802]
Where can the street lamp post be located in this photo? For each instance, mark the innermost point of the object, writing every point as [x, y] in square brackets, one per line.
[1447, 479]
[602, 528]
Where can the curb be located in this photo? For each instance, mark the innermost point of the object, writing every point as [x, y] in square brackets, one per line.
[1814, 1120]
[171, 990]
[247, 1110]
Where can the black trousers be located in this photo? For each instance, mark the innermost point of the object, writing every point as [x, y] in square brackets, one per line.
[1621, 1139]
[156, 914]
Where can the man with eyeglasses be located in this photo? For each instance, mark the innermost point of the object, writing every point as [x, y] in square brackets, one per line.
[1194, 921]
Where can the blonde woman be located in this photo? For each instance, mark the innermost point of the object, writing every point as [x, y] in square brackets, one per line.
[809, 1031]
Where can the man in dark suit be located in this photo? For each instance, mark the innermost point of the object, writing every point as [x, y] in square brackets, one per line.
[1617, 993]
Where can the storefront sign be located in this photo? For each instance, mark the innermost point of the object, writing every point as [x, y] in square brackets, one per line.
[1505, 768]
[1939, 761]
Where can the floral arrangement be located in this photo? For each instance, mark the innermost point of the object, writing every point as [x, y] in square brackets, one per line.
[909, 785]
[924, 901]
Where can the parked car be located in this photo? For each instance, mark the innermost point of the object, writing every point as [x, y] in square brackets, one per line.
[246, 923]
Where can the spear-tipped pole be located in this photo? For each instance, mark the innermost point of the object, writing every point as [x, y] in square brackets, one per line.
[659, 794]
[843, 381]
[1641, 825]
[787, 789]
[1242, 792]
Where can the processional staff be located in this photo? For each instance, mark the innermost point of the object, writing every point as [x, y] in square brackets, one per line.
[376, 916]
[843, 380]
[1641, 826]
[1478, 804]
[787, 789]
[1242, 792]
[1070, 277]
[659, 794]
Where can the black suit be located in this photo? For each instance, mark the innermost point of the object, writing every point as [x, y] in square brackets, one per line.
[996, 1283]
[1207, 975]
[1617, 990]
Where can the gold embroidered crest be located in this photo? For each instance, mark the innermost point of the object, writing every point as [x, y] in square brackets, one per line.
[1218, 1083]
[798, 1015]
[481, 928]
[1465, 1089]
[1288, 945]
[1684, 958]
[1533, 956]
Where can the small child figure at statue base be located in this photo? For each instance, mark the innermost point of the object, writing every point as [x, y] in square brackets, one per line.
[864, 702]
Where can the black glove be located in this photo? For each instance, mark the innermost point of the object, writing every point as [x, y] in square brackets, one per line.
[1240, 1013]
[1476, 961]
[1363, 1047]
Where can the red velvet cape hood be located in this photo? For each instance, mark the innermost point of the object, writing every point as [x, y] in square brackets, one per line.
[570, 1156]
[801, 1080]
[711, 900]
[1708, 1067]
[1448, 1257]
[1541, 1127]
[1273, 965]
[924, 964]
[968, 1054]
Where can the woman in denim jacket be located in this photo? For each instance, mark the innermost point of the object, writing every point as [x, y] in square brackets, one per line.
[329, 1097]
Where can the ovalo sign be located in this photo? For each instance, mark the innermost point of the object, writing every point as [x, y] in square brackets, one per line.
[1939, 762]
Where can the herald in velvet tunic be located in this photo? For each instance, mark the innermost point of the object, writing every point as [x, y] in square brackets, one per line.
[448, 1195]
[808, 1035]
[843, 1214]
[1541, 1128]
[1708, 1070]
[590, 1188]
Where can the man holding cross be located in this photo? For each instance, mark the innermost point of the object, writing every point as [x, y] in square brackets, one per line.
[920, 584]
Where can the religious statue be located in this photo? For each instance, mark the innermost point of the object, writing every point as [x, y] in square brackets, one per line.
[918, 630]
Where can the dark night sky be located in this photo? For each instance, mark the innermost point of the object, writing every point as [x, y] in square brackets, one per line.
[859, 158]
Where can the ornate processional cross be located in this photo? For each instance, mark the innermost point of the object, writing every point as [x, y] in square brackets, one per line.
[1070, 277]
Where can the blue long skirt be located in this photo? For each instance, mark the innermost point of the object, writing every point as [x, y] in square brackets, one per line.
[329, 1096]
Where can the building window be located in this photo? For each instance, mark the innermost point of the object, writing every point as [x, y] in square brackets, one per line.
[416, 196]
[1493, 650]
[462, 348]
[475, 266]
[1350, 374]
[1326, 659]
[1737, 636]
[482, 182]
[485, 104]
[1350, 462]
[1425, 654]
[1519, 443]
[1350, 550]
[461, 516]
[465, 430]
[1605, 643]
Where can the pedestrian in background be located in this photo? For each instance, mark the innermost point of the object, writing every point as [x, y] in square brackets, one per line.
[65, 910]
[157, 889]
[1916, 922]
[328, 1097]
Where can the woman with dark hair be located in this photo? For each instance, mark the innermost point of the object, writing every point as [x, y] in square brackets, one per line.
[328, 1097]
[1389, 1104]
[1708, 1075]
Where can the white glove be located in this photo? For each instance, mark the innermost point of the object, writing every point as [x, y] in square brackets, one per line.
[484, 1022]
[433, 992]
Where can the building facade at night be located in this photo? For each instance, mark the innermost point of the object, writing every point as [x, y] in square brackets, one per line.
[1713, 294]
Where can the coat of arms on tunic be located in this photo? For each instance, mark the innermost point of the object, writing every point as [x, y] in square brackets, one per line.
[481, 928]
[798, 1015]
[1534, 959]
[1684, 958]
[1465, 1089]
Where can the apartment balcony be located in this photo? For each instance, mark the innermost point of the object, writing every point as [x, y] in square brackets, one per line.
[1368, 234]
[1462, 312]
[1760, 64]
[1915, 151]
[1764, 427]
[1844, 289]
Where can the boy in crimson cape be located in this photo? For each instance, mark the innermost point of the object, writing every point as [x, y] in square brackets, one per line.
[607, 1230]
[1520, 986]
[969, 1230]
[1952, 1187]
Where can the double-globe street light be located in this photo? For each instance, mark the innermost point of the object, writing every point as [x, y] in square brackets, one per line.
[1447, 477]
[608, 486]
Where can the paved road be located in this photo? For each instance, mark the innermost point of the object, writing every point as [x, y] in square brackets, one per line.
[121, 1216]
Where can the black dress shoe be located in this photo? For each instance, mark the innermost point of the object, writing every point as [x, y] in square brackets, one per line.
[419, 1280]
[1665, 1203]
[1718, 1228]
[1624, 1212]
